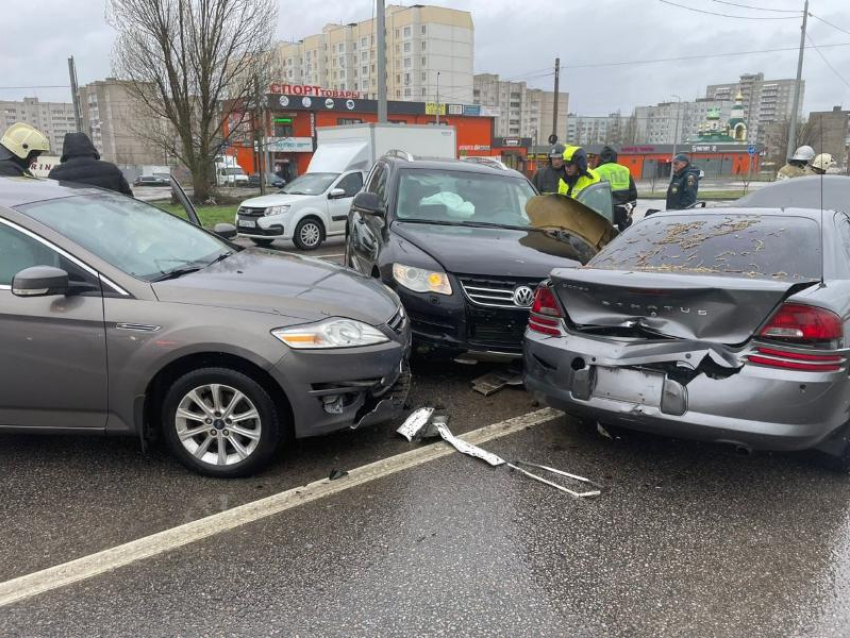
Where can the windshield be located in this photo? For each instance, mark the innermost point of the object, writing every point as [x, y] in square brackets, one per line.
[138, 239]
[310, 184]
[463, 197]
[754, 246]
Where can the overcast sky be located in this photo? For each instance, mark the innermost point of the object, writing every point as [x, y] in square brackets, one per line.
[515, 38]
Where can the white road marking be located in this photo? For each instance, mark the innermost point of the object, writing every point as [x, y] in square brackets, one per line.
[23, 587]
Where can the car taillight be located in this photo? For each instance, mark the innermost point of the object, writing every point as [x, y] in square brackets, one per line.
[545, 315]
[801, 325]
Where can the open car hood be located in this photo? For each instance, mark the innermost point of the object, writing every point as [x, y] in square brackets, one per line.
[557, 213]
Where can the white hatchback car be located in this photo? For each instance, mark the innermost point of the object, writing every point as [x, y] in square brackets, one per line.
[309, 209]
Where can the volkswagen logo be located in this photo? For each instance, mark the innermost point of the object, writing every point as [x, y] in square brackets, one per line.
[524, 296]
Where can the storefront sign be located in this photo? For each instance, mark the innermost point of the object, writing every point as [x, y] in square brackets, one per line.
[637, 149]
[432, 108]
[290, 144]
[312, 91]
[706, 148]
[473, 147]
[472, 110]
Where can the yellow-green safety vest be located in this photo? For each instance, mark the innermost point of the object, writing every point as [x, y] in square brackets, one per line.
[616, 175]
[583, 182]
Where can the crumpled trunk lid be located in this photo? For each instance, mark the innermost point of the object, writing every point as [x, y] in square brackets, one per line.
[725, 310]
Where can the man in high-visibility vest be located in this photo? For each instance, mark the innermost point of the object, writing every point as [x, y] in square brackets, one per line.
[622, 185]
[577, 176]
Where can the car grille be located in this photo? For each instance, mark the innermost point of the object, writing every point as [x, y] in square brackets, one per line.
[396, 323]
[495, 292]
[247, 211]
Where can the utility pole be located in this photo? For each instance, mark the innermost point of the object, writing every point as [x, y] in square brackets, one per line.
[259, 140]
[438, 98]
[557, 99]
[382, 63]
[792, 129]
[75, 94]
[676, 134]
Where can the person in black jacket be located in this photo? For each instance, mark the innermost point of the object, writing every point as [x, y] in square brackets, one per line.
[547, 178]
[81, 163]
[684, 186]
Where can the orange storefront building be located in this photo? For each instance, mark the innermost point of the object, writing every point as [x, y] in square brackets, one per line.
[291, 120]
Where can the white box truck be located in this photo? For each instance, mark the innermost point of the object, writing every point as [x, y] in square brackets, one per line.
[315, 205]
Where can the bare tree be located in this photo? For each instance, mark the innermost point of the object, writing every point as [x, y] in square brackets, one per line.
[197, 64]
[630, 131]
[776, 138]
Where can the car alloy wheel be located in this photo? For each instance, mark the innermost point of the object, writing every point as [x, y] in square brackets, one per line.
[221, 422]
[308, 235]
[218, 425]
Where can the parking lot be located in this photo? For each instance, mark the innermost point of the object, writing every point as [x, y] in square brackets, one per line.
[686, 539]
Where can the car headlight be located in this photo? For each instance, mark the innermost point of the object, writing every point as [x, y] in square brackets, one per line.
[421, 280]
[277, 210]
[330, 333]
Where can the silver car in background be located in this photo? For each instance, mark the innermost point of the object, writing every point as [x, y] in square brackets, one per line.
[727, 325]
[119, 318]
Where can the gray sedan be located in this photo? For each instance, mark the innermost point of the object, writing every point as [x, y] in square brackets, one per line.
[728, 325]
[119, 318]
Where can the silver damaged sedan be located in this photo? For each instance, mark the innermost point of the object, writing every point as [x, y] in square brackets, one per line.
[728, 325]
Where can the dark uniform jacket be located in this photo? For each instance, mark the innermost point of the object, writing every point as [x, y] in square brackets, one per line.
[81, 163]
[10, 165]
[682, 191]
[546, 179]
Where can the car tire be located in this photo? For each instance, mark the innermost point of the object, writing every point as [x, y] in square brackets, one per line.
[309, 234]
[221, 447]
[262, 243]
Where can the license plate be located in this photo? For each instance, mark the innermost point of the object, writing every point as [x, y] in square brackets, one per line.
[247, 223]
[629, 386]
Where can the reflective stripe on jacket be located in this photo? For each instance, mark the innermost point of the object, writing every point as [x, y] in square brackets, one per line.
[616, 175]
[587, 179]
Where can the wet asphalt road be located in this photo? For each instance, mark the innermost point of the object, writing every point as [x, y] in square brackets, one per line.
[686, 539]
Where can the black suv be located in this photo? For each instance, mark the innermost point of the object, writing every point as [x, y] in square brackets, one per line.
[453, 239]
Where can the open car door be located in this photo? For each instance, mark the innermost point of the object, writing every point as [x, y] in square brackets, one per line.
[183, 199]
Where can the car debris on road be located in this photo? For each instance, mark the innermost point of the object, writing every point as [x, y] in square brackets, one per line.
[492, 382]
[422, 424]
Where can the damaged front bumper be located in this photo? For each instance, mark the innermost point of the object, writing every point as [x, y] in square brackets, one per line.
[687, 389]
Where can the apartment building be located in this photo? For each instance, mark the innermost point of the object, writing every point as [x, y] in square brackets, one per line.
[521, 111]
[54, 119]
[429, 53]
[831, 131]
[117, 126]
[675, 122]
[766, 102]
[583, 130]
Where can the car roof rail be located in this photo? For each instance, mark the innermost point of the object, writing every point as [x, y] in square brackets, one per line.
[404, 155]
[492, 162]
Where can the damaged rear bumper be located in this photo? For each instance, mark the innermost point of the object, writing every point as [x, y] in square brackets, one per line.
[686, 389]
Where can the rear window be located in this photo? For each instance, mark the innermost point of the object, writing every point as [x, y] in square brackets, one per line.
[755, 246]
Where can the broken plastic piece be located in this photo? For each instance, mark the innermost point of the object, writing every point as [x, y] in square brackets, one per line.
[416, 425]
[560, 472]
[492, 382]
[603, 432]
[566, 490]
[466, 448]
[337, 474]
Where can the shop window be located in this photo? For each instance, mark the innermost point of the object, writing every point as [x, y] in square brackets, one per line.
[283, 130]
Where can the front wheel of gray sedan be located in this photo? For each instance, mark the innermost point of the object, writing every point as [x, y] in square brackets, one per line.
[221, 423]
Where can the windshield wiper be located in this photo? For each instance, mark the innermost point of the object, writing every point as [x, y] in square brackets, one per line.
[189, 268]
[178, 272]
[495, 225]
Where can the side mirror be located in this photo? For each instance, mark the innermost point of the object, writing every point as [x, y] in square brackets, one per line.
[336, 193]
[40, 281]
[368, 204]
[225, 231]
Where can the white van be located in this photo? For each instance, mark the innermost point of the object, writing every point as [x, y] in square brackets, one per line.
[315, 205]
